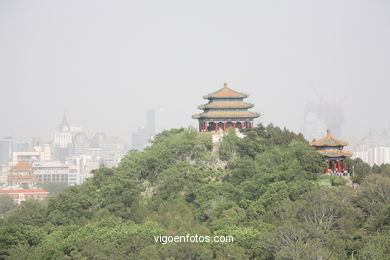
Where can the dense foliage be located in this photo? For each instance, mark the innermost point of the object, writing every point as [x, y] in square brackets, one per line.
[263, 189]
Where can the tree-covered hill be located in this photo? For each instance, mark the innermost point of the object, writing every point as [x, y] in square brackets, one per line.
[263, 189]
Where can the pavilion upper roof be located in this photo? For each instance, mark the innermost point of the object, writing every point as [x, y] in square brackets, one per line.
[225, 92]
[328, 140]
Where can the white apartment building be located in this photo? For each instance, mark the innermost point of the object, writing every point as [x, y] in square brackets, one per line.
[54, 171]
[374, 155]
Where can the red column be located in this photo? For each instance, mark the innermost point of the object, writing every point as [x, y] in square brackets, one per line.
[338, 166]
[234, 124]
[215, 126]
[341, 166]
[334, 167]
[345, 165]
[224, 126]
[252, 124]
[327, 167]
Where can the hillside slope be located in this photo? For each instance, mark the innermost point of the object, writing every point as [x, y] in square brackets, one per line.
[263, 190]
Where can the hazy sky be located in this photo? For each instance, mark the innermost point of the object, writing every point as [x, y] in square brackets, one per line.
[106, 62]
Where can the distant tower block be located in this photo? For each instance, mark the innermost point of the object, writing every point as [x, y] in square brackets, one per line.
[225, 109]
[151, 121]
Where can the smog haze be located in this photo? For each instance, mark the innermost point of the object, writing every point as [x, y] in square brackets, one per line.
[105, 63]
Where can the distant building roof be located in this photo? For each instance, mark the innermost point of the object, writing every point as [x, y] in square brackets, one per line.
[21, 167]
[50, 164]
[22, 191]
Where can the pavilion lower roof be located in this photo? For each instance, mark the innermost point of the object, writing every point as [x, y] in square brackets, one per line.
[226, 105]
[245, 114]
[335, 153]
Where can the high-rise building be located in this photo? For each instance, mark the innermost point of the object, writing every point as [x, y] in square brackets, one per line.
[6, 148]
[142, 137]
[374, 148]
[23, 146]
[374, 155]
[63, 137]
[151, 121]
[81, 143]
[63, 140]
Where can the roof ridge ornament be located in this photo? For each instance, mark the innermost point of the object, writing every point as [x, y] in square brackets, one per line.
[225, 84]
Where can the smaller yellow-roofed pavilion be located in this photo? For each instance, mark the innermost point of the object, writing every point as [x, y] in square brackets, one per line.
[332, 149]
